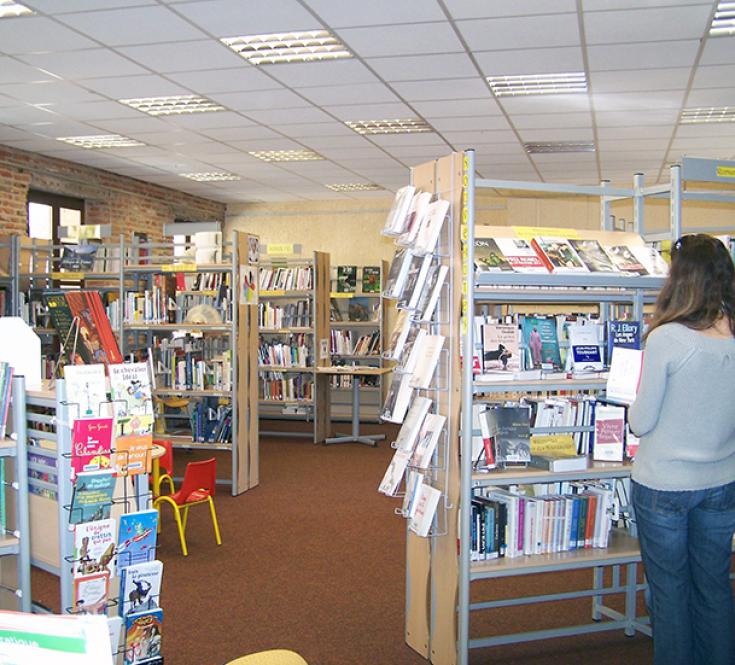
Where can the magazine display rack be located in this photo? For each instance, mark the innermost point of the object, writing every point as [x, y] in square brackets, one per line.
[294, 340]
[357, 323]
[198, 325]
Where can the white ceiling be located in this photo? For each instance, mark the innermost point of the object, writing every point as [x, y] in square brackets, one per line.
[62, 70]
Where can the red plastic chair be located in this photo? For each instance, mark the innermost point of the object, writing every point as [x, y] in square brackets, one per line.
[198, 487]
[165, 464]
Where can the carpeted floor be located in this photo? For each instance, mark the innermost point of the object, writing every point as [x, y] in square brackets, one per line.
[313, 560]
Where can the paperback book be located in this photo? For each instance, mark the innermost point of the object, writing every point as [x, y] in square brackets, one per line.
[143, 634]
[428, 439]
[86, 391]
[585, 344]
[430, 295]
[415, 283]
[649, 257]
[624, 260]
[428, 235]
[398, 335]
[416, 217]
[371, 279]
[94, 548]
[395, 223]
[624, 376]
[346, 279]
[541, 342]
[489, 258]
[521, 256]
[131, 389]
[90, 593]
[132, 455]
[78, 258]
[623, 334]
[398, 273]
[558, 254]
[91, 444]
[136, 538]
[511, 428]
[609, 444]
[394, 473]
[500, 348]
[398, 398]
[427, 501]
[140, 587]
[92, 496]
[426, 362]
[411, 427]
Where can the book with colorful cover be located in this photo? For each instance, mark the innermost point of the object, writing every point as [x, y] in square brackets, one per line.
[500, 347]
[130, 388]
[346, 279]
[585, 342]
[90, 593]
[488, 256]
[541, 342]
[371, 279]
[136, 538]
[86, 391]
[140, 587]
[623, 334]
[609, 443]
[558, 254]
[96, 342]
[91, 444]
[521, 256]
[592, 255]
[624, 260]
[94, 547]
[143, 633]
[91, 499]
[132, 455]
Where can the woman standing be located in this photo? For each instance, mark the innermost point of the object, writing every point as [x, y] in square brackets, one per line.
[684, 471]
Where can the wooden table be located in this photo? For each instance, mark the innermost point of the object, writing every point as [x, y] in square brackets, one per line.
[356, 372]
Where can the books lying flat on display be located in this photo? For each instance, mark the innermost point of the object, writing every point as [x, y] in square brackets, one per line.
[572, 463]
[558, 254]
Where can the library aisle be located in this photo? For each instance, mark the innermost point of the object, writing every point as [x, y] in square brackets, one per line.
[312, 560]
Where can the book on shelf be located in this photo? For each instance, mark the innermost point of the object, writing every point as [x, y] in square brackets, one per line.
[521, 256]
[427, 501]
[355, 309]
[489, 257]
[624, 260]
[397, 219]
[650, 258]
[558, 444]
[622, 334]
[585, 344]
[78, 258]
[541, 342]
[398, 398]
[406, 439]
[593, 255]
[86, 391]
[427, 360]
[558, 254]
[428, 235]
[416, 218]
[94, 547]
[394, 473]
[371, 279]
[6, 385]
[143, 633]
[140, 587]
[500, 348]
[510, 428]
[90, 593]
[624, 376]
[136, 537]
[427, 440]
[431, 292]
[294, 278]
[346, 279]
[91, 498]
[398, 271]
[415, 282]
[558, 464]
[130, 388]
[609, 443]
[91, 444]
[96, 343]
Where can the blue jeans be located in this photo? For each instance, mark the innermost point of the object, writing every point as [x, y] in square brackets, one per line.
[686, 545]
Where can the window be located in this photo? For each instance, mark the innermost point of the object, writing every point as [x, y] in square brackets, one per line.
[54, 217]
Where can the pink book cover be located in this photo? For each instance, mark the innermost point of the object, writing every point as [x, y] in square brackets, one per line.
[91, 444]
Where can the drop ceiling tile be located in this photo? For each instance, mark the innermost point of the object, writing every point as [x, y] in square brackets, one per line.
[718, 51]
[464, 9]
[543, 135]
[430, 138]
[341, 143]
[279, 143]
[640, 80]
[691, 145]
[519, 159]
[25, 114]
[55, 7]
[486, 137]
[430, 90]
[423, 67]
[414, 154]
[531, 61]
[12, 71]
[571, 160]
[131, 87]
[170, 137]
[242, 78]
[574, 103]
[183, 56]
[324, 131]
[133, 126]
[551, 120]
[460, 108]
[393, 40]
[8, 133]
[260, 99]
[49, 92]
[641, 155]
[91, 111]
[360, 93]
[654, 55]
[602, 5]
[491, 152]
[241, 133]
[327, 72]
[698, 131]
[624, 130]
[634, 119]
[211, 151]
[62, 127]
[38, 34]
[521, 32]
[88, 63]
[376, 12]
[626, 145]
[714, 76]
[360, 157]
[506, 172]
[646, 25]
[712, 97]
[202, 121]
[357, 112]
[638, 101]
[230, 18]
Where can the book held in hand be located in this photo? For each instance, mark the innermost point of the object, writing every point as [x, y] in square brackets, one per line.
[623, 334]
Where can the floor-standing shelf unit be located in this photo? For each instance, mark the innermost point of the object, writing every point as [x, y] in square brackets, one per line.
[353, 317]
[291, 318]
[226, 343]
[15, 540]
[439, 582]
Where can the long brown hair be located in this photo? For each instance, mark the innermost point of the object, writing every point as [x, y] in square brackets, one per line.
[700, 287]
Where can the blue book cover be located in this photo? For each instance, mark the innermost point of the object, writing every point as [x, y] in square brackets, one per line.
[143, 633]
[625, 334]
[92, 496]
[136, 540]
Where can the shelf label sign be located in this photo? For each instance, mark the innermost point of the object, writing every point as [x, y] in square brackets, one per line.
[726, 172]
[279, 248]
[707, 170]
[179, 267]
[67, 275]
[339, 294]
[323, 349]
[530, 232]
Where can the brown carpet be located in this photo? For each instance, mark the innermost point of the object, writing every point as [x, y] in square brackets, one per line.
[313, 560]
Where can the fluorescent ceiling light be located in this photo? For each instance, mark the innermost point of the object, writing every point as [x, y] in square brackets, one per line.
[215, 176]
[538, 84]
[558, 146]
[10, 9]
[354, 187]
[101, 141]
[723, 22]
[405, 126]
[286, 155]
[173, 105]
[285, 47]
[708, 114]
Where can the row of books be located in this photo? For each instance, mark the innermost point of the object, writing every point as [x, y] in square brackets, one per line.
[344, 381]
[357, 309]
[210, 422]
[347, 279]
[286, 279]
[555, 254]
[192, 363]
[6, 383]
[295, 352]
[153, 306]
[414, 281]
[508, 523]
[347, 343]
[290, 315]
[280, 387]
[416, 221]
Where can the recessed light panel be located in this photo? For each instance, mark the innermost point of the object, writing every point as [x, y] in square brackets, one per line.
[173, 105]
[100, 141]
[404, 126]
[723, 22]
[286, 155]
[10, 9]
[708, 114]
[558, 146]
[354, 187]
[285, 47]
[215, 176]
[538, 84]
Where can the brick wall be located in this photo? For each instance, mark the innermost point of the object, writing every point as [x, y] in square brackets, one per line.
[125, 203]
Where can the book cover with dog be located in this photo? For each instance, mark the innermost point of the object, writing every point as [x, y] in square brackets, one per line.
[140, 587]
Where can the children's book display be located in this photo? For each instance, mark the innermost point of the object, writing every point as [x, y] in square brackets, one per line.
[107, 451]
[415, 280]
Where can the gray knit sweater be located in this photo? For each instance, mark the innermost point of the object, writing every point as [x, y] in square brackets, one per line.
[684, 412]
